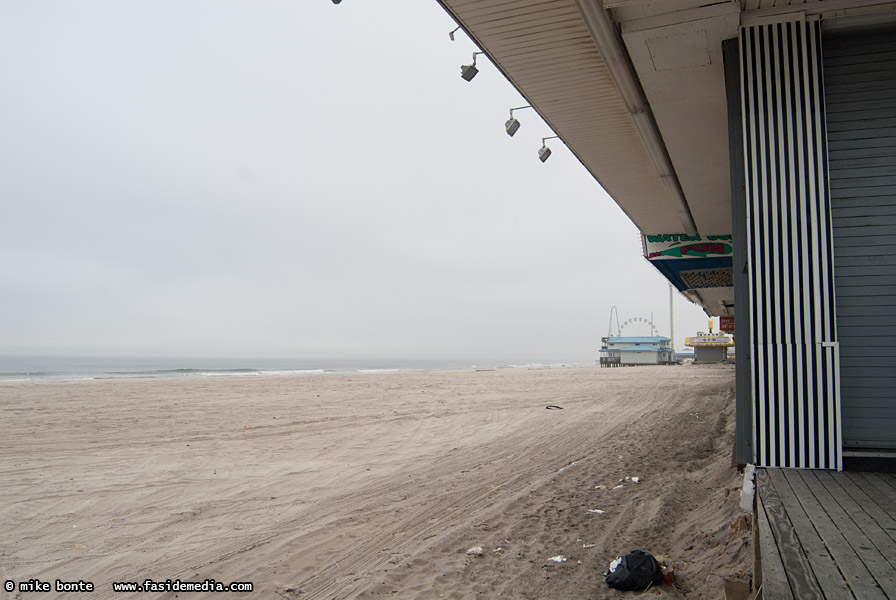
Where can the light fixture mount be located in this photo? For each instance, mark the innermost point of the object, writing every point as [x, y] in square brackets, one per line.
[468, 72]
[544, 152]
[512, 124]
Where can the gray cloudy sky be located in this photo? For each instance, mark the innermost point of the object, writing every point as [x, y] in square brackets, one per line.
[291, 178]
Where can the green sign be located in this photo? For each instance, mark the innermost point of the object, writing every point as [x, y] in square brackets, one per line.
[680, 245]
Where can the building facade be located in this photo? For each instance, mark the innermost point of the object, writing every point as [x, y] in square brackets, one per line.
[753, 144]
[636, 350]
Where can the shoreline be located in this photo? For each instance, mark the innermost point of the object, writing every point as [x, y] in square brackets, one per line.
[36, 368]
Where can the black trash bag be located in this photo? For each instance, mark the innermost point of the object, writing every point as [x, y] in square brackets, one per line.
[636, 570]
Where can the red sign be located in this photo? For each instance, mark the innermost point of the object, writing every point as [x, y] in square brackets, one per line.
[726, 324]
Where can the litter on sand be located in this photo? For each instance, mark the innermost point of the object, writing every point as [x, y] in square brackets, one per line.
[558, 558]
[475, 551]
[637, 570]
[596, 511]
[617, 487]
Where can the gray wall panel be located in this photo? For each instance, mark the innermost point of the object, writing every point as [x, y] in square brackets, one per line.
[743, 442]
[860, 87]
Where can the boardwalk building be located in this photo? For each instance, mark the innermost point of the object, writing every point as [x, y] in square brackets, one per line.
[753, 144]
[635, 350]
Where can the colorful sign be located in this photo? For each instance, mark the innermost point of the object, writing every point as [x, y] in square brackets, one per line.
[703, 340]
[679, 245]
[726, 324]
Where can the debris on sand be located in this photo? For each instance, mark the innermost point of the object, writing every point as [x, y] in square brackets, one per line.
[558, 559]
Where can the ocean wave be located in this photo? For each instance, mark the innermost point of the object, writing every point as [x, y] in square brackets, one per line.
[27, 374]
[294, 372]
[176, 373]
[26, 368]
[229, 373]
[207, 371]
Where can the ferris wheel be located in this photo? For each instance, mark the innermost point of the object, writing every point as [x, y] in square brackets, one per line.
[639, 326]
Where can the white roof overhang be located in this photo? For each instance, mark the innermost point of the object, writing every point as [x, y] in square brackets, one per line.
[636, 90]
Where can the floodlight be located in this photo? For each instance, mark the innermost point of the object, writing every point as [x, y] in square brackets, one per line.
[451, 33]
[468, 72]
[512, 124]
[544, 152]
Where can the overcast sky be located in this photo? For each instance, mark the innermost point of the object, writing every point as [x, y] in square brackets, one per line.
[292, 178]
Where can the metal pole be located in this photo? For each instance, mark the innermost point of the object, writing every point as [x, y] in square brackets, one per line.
[671, 319]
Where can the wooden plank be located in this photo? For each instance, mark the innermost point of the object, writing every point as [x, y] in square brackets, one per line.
[773, 580]
[881, 577]
[862, 492]
[819, 575]
[879, 491]
[889, 478]
[818, 503]
[794, 554]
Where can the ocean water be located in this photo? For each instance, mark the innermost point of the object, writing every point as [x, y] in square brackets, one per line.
[37, 368]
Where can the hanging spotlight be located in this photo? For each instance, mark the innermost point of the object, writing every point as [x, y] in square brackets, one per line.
[336, 1]
[545, 152]
[512, 124]
[450, 33]
[468, 72]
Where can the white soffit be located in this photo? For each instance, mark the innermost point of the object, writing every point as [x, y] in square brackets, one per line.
[677, 55]
[544, 48]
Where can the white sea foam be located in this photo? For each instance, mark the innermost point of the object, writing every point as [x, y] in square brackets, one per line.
[227, 373]
[295, 372]
[73, 368]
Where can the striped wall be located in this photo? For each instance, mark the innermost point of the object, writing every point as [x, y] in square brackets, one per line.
[795, 362]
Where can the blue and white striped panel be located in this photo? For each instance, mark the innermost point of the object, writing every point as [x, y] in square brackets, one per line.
[795, 362]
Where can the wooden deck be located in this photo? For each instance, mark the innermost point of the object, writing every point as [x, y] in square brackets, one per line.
[824, 534]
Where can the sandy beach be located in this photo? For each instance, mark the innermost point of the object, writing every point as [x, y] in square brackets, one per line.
[373, 485]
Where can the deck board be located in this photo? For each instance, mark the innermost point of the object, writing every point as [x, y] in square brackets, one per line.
[889, 478]
[875, 505]
[862, 532]
[855, 555]
[812, 538]
[797, 564]
[882, 494]
[881, 528]
[833, 534]
[773, 578]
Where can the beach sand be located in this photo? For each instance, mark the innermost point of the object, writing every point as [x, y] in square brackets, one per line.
[373, 485]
